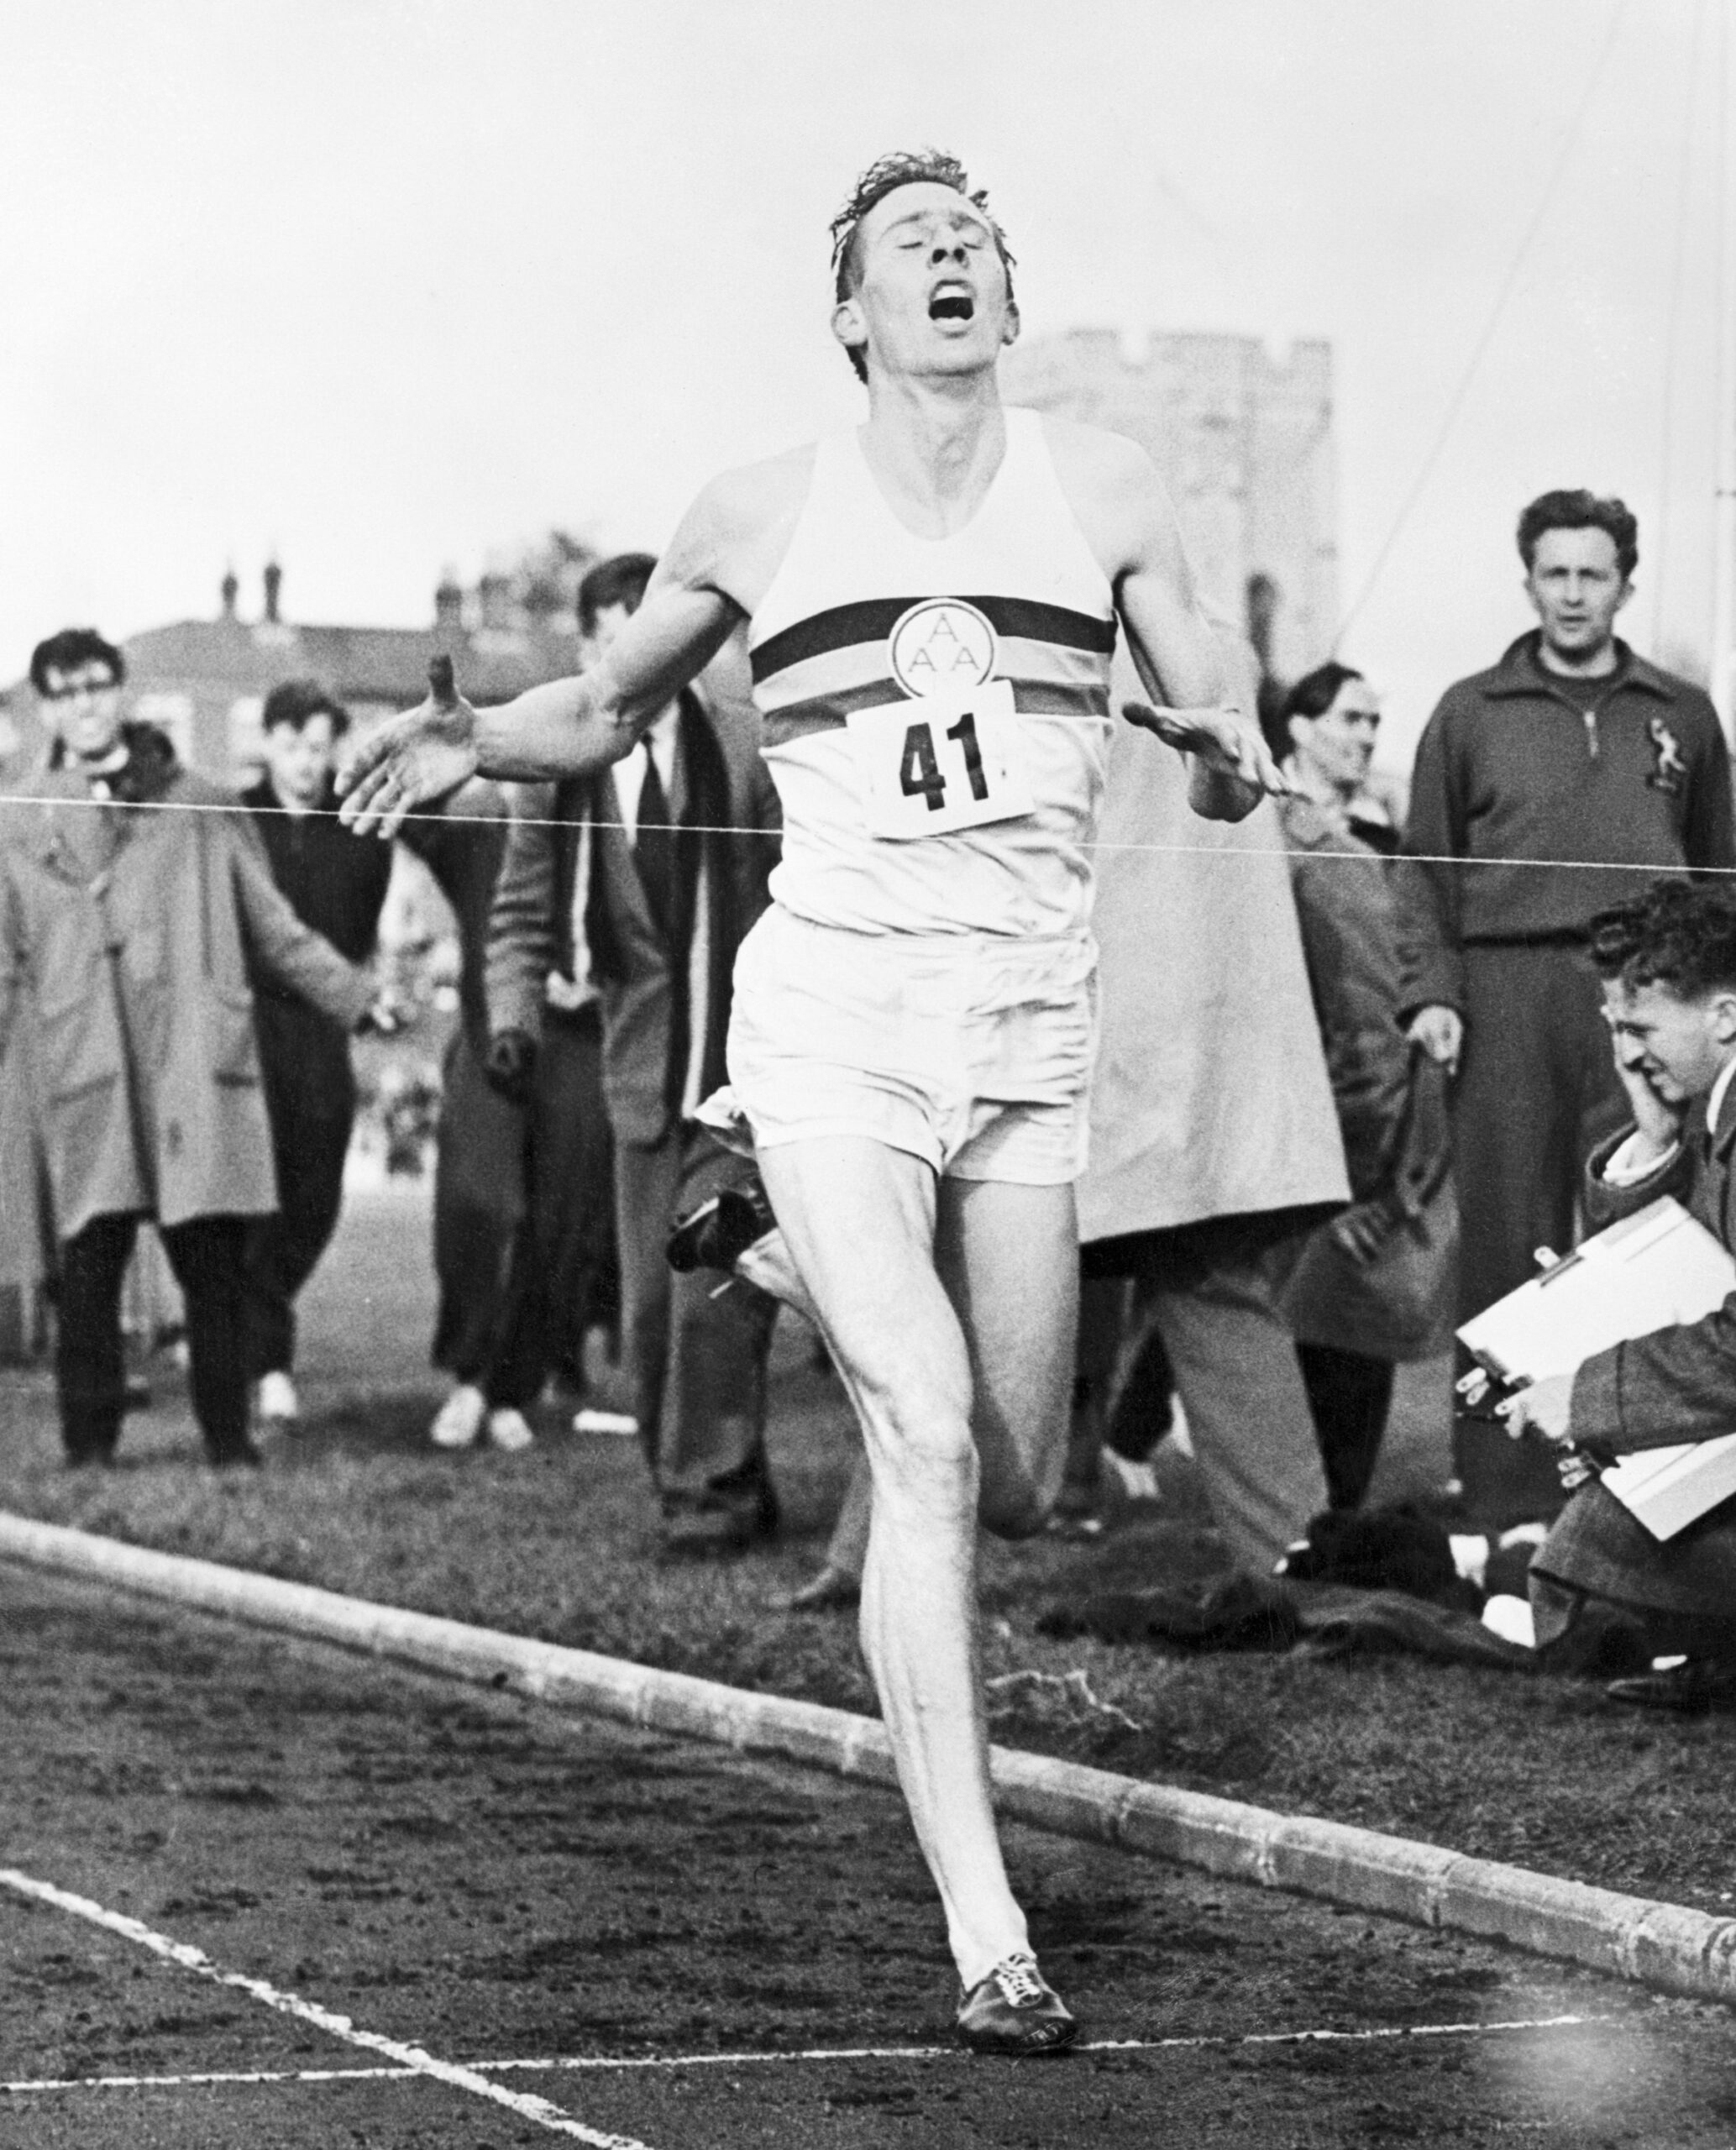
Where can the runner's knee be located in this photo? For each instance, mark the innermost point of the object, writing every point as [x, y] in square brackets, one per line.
[936, 1472]
[918, 1415]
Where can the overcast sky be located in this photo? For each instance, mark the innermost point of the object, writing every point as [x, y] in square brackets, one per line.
[392, 284]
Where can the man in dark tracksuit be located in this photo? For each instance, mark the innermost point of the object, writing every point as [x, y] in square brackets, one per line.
[1668, 961]
[338, 886]
[1570, 757]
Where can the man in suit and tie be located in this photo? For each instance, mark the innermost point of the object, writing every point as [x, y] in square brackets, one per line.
[1668, 964]
[640, 881]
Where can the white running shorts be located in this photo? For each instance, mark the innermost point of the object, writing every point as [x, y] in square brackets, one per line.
[971, 1051]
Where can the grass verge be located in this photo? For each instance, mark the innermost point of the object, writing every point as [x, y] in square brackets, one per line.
[560, 1543]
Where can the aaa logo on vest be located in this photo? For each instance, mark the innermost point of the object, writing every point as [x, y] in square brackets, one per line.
[941, 643]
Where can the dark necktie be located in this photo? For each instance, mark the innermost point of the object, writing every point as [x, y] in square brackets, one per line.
[654, 846]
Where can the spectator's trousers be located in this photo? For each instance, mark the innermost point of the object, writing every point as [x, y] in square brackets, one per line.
[206, 1254]
[697, 1356]
[1237, 1375]
[1205, 1291]
[309, 1141]
[1350, 1394]
[1681, 1593]
[569, 1191]
[1536, 1089]
[524, 1218]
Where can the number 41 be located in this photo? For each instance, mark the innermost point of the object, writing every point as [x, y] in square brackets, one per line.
[919, 772]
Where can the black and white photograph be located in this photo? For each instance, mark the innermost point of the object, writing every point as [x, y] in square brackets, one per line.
[867, 1014]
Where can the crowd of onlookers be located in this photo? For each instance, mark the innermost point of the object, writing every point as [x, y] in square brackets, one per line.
[182, 972]
[1354, 1055]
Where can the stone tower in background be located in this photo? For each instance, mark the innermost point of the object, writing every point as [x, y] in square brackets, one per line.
[1245, 441]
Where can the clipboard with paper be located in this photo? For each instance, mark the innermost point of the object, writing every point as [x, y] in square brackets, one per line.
[1653, 1270]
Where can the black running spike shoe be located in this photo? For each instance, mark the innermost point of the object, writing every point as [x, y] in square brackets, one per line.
[1015, 2010]
[711, 1236]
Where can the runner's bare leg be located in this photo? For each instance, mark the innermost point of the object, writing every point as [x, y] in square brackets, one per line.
[1009, 1257]
[1021, 1376]
[861, 1222]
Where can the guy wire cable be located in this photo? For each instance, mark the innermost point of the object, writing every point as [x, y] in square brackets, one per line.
[1666, 448]
[1618, 16]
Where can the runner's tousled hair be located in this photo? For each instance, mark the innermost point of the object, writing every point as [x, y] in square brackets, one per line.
[1677, 935]
[902, 168]
[1579, 509]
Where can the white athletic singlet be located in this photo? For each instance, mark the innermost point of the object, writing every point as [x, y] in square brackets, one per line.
[906, 681]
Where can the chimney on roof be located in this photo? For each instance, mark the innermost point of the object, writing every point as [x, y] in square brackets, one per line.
[1263, 598]
[274, 587]
[495, 592]
[231, 590]
[448, 606]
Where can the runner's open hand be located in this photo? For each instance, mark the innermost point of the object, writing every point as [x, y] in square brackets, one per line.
[403, 762]
[1222, 739]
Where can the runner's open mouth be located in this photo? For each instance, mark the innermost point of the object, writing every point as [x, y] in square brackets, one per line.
[951, 306]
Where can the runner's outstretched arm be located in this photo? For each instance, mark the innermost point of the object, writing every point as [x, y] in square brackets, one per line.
[567, 728]
[1176, 656]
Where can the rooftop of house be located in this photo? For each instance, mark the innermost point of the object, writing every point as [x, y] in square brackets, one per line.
[358, 664]
[498, 649]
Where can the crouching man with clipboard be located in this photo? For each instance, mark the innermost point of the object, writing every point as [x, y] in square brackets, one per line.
[1668, 964]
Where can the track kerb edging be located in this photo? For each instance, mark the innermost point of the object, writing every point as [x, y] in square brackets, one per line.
[1669, 1946]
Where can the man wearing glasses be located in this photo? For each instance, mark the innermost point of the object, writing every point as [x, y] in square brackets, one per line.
[134, 897]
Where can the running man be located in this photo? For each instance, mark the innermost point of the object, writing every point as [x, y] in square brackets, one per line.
[931, 602]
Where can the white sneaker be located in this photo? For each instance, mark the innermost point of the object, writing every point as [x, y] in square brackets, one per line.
[459, 1420]
[588, 1419]
[277, 1403]
[1132, 1481]
[509, 1430]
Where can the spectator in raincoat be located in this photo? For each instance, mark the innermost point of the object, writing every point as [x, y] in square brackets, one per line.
[135, 903]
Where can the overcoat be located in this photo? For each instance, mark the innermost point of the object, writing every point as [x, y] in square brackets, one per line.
[129, 932]
[26, 1250]
[1210, 1098]
[1391, 1109]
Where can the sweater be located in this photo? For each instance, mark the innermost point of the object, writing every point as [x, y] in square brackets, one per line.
[1513, 768]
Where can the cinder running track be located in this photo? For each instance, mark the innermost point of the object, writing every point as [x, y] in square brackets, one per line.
[294, 1898]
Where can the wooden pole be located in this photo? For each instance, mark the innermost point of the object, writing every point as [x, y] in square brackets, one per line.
[1723, 591]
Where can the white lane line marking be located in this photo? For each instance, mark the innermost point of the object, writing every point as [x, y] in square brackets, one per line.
[230, 2077]
[574, 2064]
[1352, 2038]
[1087, 2045]
[412, 2058]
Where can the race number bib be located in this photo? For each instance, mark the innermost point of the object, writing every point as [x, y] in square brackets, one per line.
[940, 763]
